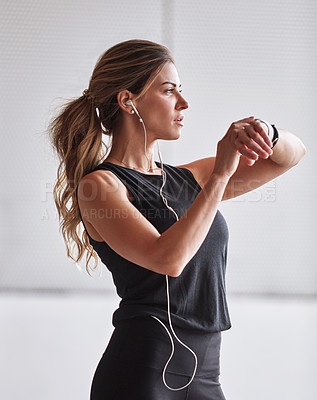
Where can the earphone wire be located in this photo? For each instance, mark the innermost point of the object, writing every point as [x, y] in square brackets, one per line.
[166, 277]
[141, 120]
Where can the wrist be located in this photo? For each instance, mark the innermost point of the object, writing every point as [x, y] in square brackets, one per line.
[215, 186]
[219, 177]
[275, 136]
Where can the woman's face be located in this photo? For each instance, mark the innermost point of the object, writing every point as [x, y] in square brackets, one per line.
[162, 105]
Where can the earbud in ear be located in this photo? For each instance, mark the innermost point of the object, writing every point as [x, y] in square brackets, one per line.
[130, 103]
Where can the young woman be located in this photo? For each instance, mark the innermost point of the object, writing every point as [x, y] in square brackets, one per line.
[155, 226]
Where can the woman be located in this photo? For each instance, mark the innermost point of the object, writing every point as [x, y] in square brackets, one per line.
[156, 227]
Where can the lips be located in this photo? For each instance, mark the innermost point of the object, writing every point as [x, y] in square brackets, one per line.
[180, 118]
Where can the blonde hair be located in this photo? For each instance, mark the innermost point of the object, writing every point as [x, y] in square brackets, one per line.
[76, 132]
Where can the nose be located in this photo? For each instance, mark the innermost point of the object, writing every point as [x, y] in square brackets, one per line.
[181, 104]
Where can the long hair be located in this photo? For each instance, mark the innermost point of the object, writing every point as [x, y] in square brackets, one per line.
[76, 132]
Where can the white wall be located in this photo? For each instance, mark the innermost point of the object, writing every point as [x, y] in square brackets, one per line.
[235, 59]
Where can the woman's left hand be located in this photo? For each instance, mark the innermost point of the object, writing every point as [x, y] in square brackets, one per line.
[256, 134]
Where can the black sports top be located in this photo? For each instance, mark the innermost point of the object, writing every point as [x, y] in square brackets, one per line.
[198, 295]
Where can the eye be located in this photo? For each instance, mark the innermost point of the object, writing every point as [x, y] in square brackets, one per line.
[172, 90]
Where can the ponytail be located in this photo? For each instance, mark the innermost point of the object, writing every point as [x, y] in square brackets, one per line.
[76, 135]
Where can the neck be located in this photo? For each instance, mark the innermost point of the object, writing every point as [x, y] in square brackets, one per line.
[128, 147]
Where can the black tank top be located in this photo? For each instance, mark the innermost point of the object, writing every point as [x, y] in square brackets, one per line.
[198, 295]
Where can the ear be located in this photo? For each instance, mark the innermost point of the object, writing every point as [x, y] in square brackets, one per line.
[122, 97]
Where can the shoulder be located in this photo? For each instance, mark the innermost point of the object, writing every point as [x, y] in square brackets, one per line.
[96, 183]
[201, 169]
[100, 175]
[98, 179]
[94, 189]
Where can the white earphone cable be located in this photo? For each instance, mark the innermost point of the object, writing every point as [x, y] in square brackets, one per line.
[166, 276]
[141, 120]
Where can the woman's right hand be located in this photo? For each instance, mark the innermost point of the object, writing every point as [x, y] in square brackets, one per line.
[245, 137]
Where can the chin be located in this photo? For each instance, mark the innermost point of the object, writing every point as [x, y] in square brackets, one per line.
[173, 136]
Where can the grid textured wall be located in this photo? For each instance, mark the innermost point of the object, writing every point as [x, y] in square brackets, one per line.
[234, 59]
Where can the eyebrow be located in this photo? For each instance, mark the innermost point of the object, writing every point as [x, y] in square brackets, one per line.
[171, 83]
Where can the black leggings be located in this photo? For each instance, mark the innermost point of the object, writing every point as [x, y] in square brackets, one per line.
[132, 365]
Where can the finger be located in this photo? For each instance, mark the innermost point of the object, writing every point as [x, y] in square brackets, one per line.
[249, 162]
[250, 144]
[255, 142]
[258, 138]
[262, 131]
[245, 151]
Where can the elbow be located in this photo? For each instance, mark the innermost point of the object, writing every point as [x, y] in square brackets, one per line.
[175, 271]
[290, 150]
[168, 259]
[299, 154]
[294, 153]
[172, 269]
[168, 262]
[303, 150]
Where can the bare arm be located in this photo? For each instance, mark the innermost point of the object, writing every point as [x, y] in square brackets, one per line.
[286, 153]
[288, 150]
[105, 204]
[178, 244]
